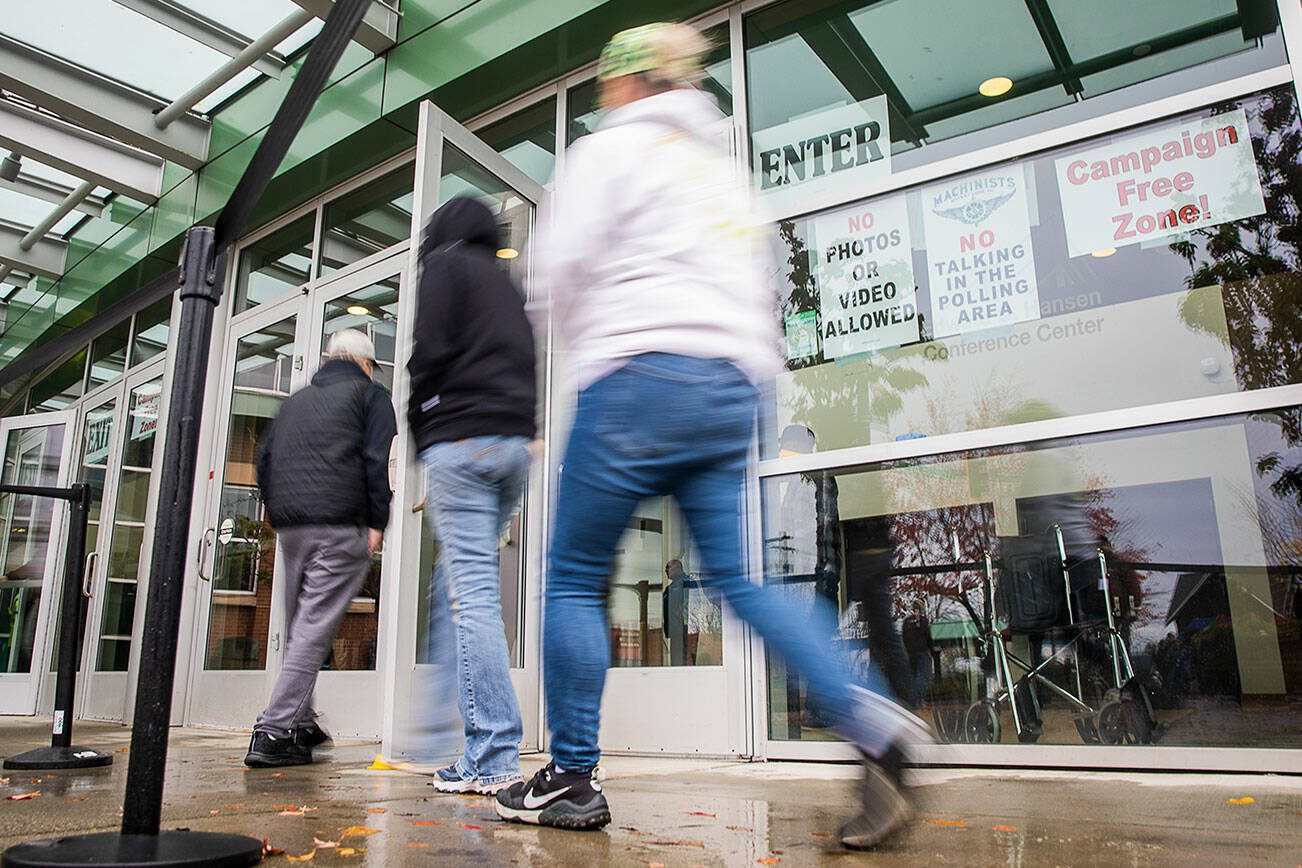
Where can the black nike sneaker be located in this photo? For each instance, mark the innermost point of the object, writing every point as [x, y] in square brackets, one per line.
[563, 800]
[266, 750]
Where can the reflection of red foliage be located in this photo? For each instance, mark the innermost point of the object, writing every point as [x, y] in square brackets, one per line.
[927, 539]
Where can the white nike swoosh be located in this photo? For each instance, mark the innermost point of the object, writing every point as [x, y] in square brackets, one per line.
[531, 801]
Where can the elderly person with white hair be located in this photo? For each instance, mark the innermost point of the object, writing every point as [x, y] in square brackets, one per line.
[323, 468]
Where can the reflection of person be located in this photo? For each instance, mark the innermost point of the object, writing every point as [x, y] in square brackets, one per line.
[686, 611]
[918, 645]
[472, 413]
[651, 258]
[323, 467]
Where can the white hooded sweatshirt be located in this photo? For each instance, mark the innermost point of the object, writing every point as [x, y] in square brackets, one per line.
[650, 244]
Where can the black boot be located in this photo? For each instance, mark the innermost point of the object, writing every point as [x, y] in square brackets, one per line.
[266, 750]
[312, 735]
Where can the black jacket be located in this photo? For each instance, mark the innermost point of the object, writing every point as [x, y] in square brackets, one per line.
[325, 457]
[472, 362]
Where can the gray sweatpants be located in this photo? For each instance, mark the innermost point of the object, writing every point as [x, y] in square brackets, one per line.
[324, 567]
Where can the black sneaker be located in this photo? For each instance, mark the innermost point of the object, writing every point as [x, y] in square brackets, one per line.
[563, 800]
[266, 750]
[312, 735]
[886, 809]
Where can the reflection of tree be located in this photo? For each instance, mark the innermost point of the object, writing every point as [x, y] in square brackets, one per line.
[872, 395]
[1256, 263]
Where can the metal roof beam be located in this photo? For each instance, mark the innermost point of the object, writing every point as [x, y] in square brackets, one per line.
[378, 31]
[44, 256]
[99, 104]
[80, 152]
[204, 30]
[49, 191]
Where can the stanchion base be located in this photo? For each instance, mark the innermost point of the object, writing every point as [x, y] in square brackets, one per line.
[209, 849]
[59, 758]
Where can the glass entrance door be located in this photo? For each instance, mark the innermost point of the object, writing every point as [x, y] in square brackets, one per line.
[238, 617]
[452, 161]
[122, 458]
[36, 450]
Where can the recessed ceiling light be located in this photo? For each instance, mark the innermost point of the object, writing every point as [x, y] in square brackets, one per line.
[508, 253]
[1104, 253]
[997, 86]
[1141, 49]
[358, 310]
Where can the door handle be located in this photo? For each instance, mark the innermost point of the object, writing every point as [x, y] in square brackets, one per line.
[88, 574]
[204, 545]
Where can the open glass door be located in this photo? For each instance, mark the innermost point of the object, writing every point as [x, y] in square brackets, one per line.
[238, 631]
[37, 451]
[123, 529]
[452, 161]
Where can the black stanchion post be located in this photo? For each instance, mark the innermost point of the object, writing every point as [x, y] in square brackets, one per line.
[140, 841]
[61, 754]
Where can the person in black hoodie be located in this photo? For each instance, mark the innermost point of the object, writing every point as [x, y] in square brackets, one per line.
[323, 469]
[472, 411]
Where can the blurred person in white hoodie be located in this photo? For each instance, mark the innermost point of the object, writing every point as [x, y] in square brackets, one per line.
[653, 264]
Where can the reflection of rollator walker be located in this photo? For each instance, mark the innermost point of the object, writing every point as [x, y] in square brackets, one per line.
[1036, 595]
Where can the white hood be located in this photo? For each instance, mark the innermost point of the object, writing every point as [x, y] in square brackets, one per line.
[650, 244]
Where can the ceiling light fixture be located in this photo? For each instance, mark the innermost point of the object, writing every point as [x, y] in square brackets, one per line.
[508, 253]
[997, 86]
[11, 166]
[358, 310]
[1104, 253]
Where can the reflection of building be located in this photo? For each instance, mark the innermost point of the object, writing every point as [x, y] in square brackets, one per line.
[1149, 385]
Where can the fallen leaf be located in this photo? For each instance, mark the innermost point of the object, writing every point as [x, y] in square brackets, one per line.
[769, 860]
[268, 850]
[306, 857]
[349, 851]
[677, 844]
[4, 781]
[238, 806]
[471, 826]
[284, 807]
[356, 830]
[426, 823]
[122, 750]
[739, 828]
[945, 822]
[23, 797]
[700, 814]
[324, 845]
[655, 865]
[377, 810]
[1246, 800]
[214, 812]
[77, 799]
[35, 780]
[417, 845]
[819, 835]
[278, 775]
[1004, 828]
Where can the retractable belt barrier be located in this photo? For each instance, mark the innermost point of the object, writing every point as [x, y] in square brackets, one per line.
[61, 754]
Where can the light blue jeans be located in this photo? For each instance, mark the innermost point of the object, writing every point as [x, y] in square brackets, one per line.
[473, 491]
[667, 424]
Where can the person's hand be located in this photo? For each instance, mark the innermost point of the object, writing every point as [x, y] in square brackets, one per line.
[535, 448]
[374, 539]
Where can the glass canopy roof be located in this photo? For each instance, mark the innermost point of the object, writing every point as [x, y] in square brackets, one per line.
[159, 50]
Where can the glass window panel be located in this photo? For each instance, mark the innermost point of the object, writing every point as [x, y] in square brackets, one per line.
[1181, 568]
[584, 114]
[108, 355]
[526, 138]
[370, 219]
[806, 58]
[114, 655]
[1208, 312]
[31, 457]
[464, 177]
[59, 388]
[246, 546]
[152, 325]
[660, 613]
[275, 265]
[374, 312]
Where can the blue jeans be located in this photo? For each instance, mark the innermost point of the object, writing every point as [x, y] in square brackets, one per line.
[663, 425]
[473, 490]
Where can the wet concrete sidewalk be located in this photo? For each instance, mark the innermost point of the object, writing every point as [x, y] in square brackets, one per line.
[668, 812]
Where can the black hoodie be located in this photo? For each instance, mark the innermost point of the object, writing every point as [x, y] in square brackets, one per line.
[472, 362]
